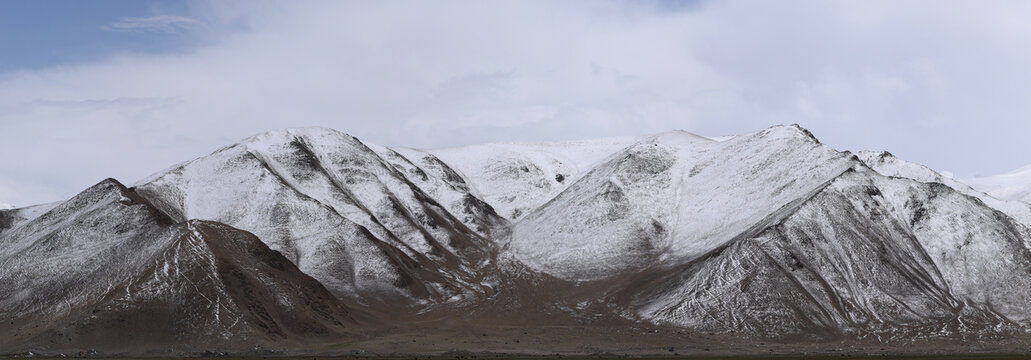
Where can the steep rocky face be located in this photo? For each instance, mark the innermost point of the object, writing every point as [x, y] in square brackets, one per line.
[338, 210]
[107, 270]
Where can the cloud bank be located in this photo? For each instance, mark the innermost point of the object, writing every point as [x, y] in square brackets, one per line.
[938, 82]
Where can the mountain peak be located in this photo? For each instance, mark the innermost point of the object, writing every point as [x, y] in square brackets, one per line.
[110, 182]
[288, 134]
[104, 188]
[868, 154]
[789, 131]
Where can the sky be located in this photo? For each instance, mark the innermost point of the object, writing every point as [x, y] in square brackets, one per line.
[120, 88]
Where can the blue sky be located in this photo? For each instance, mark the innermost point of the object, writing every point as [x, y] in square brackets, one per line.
[43, 33]
[96, 89]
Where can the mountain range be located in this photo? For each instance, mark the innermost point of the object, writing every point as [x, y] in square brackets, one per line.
[310, 238]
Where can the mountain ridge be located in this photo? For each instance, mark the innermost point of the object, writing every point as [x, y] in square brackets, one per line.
[771, 234]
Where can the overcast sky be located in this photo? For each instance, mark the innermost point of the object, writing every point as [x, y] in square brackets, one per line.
[90, 90]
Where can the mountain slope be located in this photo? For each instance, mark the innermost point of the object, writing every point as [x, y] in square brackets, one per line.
[440, 182]
[106, 267]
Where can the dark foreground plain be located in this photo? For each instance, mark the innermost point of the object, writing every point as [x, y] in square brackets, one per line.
[587, 342]
[605, 357]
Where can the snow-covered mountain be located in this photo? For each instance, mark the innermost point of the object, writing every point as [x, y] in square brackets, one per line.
[339, 210]
[107, 269]
[1014, 185]
[671, 198]
[865, 254]
[771, 233]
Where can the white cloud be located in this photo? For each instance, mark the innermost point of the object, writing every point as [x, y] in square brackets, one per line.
[942, 83]
[159, 24]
